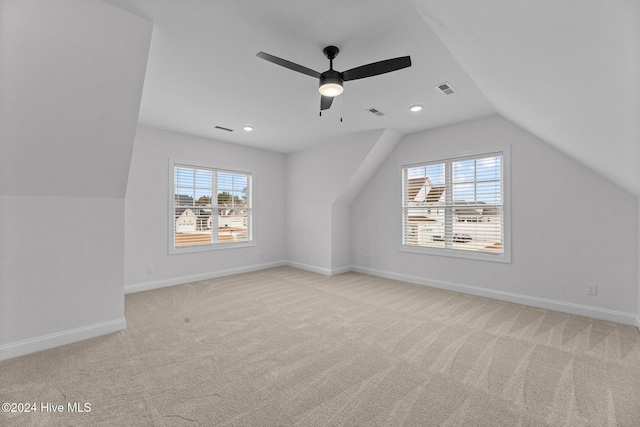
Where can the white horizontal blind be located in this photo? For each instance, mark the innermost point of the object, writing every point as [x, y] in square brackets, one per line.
[234, 207]
[210, 206]
[455, 204]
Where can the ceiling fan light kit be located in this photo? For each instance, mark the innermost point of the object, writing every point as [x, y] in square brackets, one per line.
[331, 81]
[331, 89]
[330, 84]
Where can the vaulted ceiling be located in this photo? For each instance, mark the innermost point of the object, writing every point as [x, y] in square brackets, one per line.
[568, 71]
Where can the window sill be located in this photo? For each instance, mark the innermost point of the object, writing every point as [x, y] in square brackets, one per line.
[457, 253]
[211, 247]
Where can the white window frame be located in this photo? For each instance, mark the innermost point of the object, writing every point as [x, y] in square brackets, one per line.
[214, 245]
[505, 256]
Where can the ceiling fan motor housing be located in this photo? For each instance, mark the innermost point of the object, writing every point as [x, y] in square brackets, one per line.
[330, 77]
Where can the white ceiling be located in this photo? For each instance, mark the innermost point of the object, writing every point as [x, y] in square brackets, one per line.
[565, 71]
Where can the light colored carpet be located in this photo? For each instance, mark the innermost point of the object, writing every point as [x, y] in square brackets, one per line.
[284, 347]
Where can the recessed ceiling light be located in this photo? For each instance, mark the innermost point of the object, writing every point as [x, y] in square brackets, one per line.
[415, 108]
[248, 128]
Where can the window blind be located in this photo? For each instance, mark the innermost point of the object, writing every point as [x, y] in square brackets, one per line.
[210, 206]
[454, 205]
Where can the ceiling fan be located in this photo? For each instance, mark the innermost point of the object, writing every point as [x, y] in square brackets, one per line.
[331, 80]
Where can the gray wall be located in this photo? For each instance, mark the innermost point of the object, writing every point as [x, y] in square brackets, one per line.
[322, 183]
[71, 79]
[570, 226]
[315, 179]
[147, 201]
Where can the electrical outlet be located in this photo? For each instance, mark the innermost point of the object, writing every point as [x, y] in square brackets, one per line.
[592, 289]
[150, 269]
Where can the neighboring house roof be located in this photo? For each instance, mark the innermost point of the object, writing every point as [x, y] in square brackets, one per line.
[474, 211]
[187, 212]
[232, 210]
[490, 212]
[196, 210]
[414, 185]
[421, 218]
[421, 190]
[435, 193]
[467, 212]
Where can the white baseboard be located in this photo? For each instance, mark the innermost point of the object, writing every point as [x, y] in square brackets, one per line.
[198, 277]
[341, 270]
[565, 307]
[307, 267]
[45, 342]
[638, 323]
[319, 270]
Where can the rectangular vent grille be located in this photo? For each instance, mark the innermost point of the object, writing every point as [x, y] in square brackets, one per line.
[446, 88]
[375, 111]
[225, 129]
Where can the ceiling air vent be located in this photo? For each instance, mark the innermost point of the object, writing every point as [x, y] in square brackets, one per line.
[446, 88]
[375, 111]
[225, 129]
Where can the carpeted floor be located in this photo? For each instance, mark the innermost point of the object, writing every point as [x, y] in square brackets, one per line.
[284, 347]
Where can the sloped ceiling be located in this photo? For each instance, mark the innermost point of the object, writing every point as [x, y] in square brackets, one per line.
[565, 71]
[568, 72]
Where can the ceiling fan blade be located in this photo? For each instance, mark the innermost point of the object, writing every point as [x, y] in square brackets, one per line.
[377, 68]
[325, 102]
[288, 64]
